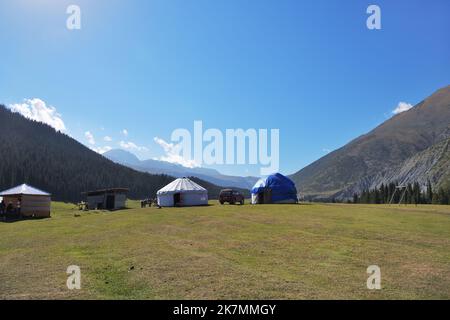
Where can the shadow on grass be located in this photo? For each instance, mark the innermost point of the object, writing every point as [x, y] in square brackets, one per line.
[16, 218]
[193, 206]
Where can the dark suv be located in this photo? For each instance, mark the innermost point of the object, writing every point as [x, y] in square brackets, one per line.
[230, 196]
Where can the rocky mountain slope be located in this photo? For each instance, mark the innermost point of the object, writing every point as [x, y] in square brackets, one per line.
[411, 146]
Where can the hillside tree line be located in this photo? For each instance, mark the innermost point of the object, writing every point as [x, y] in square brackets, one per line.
[413, 194]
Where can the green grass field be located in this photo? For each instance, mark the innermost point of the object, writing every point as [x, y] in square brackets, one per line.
[310, 251]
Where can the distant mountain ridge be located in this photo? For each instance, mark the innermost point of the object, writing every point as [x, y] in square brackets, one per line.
[411, 146]
[36, 154]
[162, 167]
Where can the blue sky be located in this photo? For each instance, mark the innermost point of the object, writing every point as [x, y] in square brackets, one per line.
[311, 69]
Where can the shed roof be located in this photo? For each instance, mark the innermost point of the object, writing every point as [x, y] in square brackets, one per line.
[103, 191]
[24, 189]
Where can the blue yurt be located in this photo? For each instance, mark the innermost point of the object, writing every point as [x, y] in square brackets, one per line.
[276, 188]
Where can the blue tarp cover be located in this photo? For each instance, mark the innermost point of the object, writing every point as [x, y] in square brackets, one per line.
[282, 187]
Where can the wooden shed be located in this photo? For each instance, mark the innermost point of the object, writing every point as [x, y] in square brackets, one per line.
[108, 199]
[27, 201]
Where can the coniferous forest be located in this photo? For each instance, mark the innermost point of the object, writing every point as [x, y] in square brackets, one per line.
[34, 153]
[412, 193]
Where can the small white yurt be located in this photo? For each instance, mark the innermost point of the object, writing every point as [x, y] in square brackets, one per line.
[182, 192]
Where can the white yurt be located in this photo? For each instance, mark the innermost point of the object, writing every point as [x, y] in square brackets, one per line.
[182, 192]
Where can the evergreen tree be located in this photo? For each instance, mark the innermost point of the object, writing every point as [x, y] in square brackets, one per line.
[429, 196]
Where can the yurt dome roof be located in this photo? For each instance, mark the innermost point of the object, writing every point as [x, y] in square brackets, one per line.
[182, 185]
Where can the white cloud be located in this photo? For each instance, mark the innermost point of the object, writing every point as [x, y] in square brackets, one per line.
[107, 138]
[173, 154]
[132, 146]
[326, 150]
[125, 132]
[36, 109]
[402, 107]
[89, 137]
[101, 150]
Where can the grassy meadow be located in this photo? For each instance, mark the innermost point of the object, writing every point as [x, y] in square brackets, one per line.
[306, 251]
